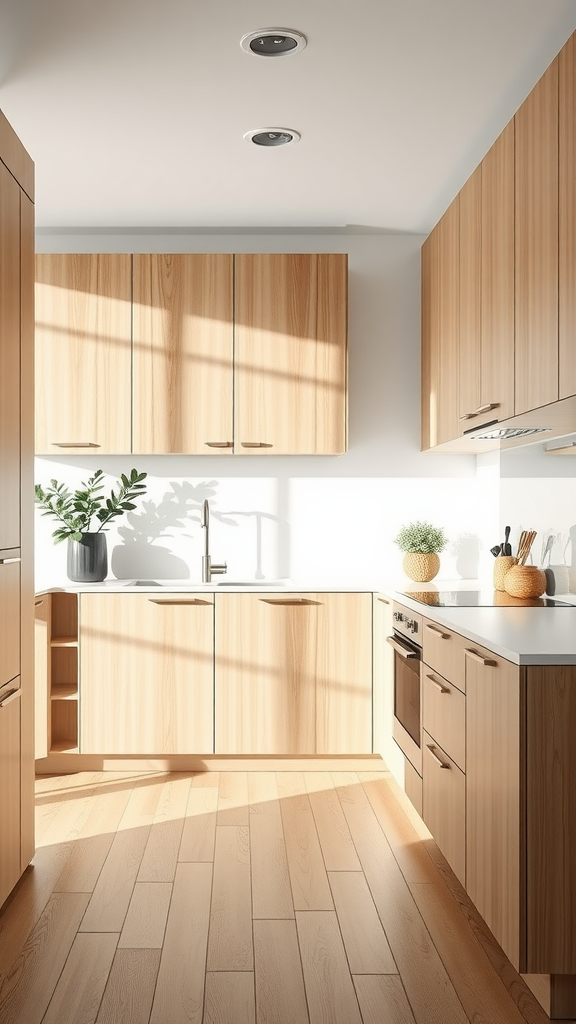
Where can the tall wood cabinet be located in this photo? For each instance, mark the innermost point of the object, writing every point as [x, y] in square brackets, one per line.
[192, 353]
[16, 512]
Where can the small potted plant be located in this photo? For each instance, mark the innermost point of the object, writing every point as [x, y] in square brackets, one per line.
[422, 544]
[83, 514]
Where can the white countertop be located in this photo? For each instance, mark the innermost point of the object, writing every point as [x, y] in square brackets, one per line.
[525, 636]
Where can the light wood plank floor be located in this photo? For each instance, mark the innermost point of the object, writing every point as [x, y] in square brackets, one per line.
[264, 897]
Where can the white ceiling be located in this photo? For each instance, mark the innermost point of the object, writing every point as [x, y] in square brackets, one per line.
[134, 110]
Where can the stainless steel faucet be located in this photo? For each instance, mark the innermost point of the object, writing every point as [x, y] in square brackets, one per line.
[209, 570]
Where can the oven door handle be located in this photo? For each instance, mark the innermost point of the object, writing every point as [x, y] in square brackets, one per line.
[404, 652]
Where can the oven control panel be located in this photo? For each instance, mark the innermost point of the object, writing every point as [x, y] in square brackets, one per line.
[407, 622]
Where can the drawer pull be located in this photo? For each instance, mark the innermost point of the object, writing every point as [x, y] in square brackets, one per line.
[439, 632]
[75, 444]
[38, 603]
[486, 408]
[384, 600]
[178, 600]
[468, 416]
[438, 760]
[478, 657]
[439, 687]
[10, 696]
[219, 444]
[9, 561]
[256, 444]
[288, 600]
[404, 652]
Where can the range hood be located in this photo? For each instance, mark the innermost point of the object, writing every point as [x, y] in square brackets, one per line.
[549, 422]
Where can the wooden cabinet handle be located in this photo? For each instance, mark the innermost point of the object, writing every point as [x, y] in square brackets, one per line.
[439, 687]
[256, 444]
[288, 600]
[9, 561]
[38, 603]
[178, 600]
[75, 444]
[486, 408]
[478, 657]
[10, 696]
[383, 599]
[440, 632]
[468, 416]
[219, 444]
[434, 755]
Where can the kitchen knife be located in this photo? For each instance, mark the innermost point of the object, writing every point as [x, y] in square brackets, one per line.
[507, 550]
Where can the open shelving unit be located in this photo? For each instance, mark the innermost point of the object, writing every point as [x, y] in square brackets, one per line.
[63, 710]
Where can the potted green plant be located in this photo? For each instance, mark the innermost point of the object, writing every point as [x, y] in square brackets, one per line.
[83, 514]
[422, 544]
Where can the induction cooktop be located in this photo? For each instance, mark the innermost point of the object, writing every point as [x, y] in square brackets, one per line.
[481, 599]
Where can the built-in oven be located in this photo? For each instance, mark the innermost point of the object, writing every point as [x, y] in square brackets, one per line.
[407, 722]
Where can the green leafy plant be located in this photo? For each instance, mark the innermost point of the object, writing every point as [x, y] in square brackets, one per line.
[421, 537]
[76, 511]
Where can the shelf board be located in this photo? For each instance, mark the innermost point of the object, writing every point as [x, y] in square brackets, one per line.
[64, 641]
[64, 691]
[69, 746]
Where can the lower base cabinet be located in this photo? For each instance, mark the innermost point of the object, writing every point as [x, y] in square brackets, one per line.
[293, 674]
[146, 677]
[10, 869]
[444, 804]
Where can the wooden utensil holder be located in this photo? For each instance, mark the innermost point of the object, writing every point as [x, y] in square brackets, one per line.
[502, 564]
[525, 581]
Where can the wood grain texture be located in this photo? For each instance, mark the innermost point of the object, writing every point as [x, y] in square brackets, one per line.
[80, 987]
[329, 988]
[287, 681]
[9, 360]
[28, 988]
[146, 917]
[233, 806]
[494, 796]
[550, 820]
[497, 277]
[83, 352]
[335, 840]
[179, 992]
[10, 794]
[199, 831]
[310, 886]
[230, 945]
[183, 347]
[280, 994]
[230, 998]
[42, 660]
[444, 804]
[271, 891]
[291, 353]
[430, 342]
[382, 999]
[444, 714]
[443, 651]
[161, 853]
[567, 219]
[130, 988]
[449, 323]
[92, 846]
[536, 246]
[15, 157]
[470, 321]
[146, 675]
[366, 946]
[10, 614]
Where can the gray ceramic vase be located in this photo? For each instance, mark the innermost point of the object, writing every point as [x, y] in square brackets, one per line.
[87, 560]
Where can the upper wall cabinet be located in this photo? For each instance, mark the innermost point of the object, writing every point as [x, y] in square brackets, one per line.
[290, 354]
[83, 353]
[567, 218]
[9, 360]
[225, 354]
[183, 351]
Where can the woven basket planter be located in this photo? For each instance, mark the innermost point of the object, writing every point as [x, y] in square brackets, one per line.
[502, 565]
[525, 581]
[421, 566]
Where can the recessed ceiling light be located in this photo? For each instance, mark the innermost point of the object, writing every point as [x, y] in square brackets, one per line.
[273, 42]
[271, 137]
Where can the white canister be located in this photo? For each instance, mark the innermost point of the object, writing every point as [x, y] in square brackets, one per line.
[557, 579]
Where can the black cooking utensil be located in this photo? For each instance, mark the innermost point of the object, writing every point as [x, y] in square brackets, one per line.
[495, 550]
[506, 548]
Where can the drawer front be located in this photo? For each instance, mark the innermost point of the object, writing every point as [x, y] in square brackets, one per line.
[444, 714]
[444, 804]
[443, 650]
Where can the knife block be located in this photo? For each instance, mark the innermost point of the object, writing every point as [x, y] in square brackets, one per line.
[502, 564]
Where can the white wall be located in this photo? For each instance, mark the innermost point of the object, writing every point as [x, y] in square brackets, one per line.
[314, 519]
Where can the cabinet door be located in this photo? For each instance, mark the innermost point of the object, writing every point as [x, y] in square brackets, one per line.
[497, 279]
[9, 360]
[183, 345]
[10, 789]
[383, 688]
[9, 616]
[293, 674]
[567, 219]
[146, 674]
[493, 773]
[470, 326]
[83, 353]
[290, 354]
[536, 344]
[444, 804]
